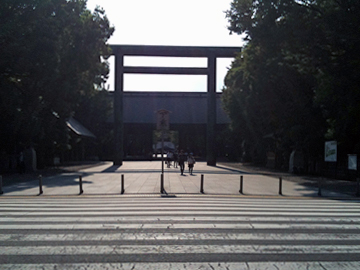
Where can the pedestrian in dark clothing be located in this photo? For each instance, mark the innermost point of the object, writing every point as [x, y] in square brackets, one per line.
[182, 159]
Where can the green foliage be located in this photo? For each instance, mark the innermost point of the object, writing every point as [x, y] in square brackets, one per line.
[51, 58]
[296, 80]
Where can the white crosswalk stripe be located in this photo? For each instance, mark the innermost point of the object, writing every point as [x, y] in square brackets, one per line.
[186, 232]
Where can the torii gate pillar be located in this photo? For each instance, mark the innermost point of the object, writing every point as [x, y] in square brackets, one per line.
[211, 113]
[118, 110]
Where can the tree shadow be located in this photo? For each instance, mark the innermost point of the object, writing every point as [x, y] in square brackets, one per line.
[111, 169]
[329, 188]
[60, 180]
[65, 180]
[232, 170]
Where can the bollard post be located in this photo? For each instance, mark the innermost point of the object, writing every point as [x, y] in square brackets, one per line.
[202, 184]
[162, 183]
[40, 185]
[1, 190]
[320, 183]
[241, 184]
[280, 186]
[357, 187]
[80, 185]
[122, 184]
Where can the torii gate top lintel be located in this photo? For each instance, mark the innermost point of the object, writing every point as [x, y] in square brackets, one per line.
[180, 51]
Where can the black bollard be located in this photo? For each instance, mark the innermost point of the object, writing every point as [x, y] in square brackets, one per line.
[319, 183]
[40, 185]
[162, 183]
[357, 187]
[1, 190]
[80, 185]
[202, 184]
[241, 184]
[280, 186]
[122, 184]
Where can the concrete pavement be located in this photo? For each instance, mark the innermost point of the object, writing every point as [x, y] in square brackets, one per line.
[143, 177]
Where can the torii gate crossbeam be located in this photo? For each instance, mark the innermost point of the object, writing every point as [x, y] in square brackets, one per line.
[211, 53]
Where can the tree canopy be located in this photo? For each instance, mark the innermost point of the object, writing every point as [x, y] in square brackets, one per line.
[51, 58]
[296, 80]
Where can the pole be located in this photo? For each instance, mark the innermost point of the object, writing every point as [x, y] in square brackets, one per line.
[202, 184]
[280, 186]
[241, 184]
[357, 187]
[40, 185]
[320, 183]
[162, 152]
[80, 185]
[1, 190]
[122, 184]
[162, 183]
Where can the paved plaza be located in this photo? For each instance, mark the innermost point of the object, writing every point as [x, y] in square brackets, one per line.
[143, 177]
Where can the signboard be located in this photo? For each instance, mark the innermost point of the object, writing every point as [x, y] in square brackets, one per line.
[331, 151]
[170, 137]
[162, 120]
[162, 124]
[352, 162]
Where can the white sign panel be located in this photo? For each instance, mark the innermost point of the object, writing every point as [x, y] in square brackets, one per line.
[352, 162]
[331, 151]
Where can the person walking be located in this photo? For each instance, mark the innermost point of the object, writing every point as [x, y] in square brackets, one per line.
[169, 158]
[182, 159]
[191, 162]
[176, 158]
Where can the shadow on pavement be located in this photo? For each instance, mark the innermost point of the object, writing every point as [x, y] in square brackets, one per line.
[60, 180]
[329, 187]
[232, 170]
[111, 169]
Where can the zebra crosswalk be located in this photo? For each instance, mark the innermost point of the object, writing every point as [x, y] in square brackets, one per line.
[186, 232]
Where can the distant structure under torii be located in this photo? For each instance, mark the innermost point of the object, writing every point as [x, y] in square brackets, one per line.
[211, 53]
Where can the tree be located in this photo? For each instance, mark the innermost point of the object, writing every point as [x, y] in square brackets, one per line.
[51, 57]
[338, 91]
[269, 91]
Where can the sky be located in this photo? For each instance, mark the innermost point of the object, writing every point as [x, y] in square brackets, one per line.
[168, 22]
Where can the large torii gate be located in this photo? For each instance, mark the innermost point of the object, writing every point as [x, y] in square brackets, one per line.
[211, 53]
